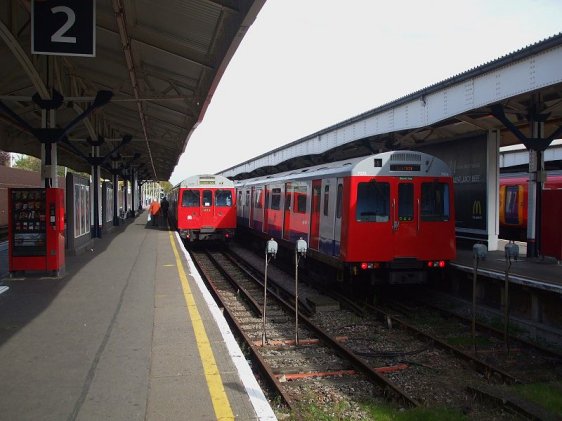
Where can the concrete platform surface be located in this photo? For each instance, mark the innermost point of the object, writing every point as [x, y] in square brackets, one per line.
[128, 333]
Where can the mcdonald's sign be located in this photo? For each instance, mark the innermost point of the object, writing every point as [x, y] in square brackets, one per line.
[477, 210]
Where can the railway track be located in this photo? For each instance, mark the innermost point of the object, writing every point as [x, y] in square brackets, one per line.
[290, 365]
[517, 360]
[338, 349]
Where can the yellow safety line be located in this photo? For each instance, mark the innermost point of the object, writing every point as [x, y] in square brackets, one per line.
[221, 405]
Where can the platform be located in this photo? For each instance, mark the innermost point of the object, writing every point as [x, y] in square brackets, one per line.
[129, 332]
[540, 273]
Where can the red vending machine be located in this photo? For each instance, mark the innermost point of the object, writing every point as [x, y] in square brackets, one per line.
[36, 229]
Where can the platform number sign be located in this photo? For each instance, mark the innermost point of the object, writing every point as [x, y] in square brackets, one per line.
[63, 27]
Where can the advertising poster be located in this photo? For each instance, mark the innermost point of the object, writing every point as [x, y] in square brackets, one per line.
[467, 160]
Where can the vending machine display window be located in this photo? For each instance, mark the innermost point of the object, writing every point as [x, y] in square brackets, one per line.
[29, 222]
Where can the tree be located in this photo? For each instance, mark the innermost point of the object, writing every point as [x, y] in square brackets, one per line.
[4, 158]
[29, 163]
[166, 186]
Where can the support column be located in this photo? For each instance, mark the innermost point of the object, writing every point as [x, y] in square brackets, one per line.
[492, 188]
[125, 191]
[48, 152]
[96, 231]
[536, 143]
[133, 191]
[140, 196]
[536, 178]
[115, 194]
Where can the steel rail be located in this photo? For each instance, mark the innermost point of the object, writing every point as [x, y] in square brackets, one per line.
[358, 363]
[255, 354]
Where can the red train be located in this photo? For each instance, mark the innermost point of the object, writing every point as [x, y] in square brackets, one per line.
[514, 202]
[387, 217]
[203, 207]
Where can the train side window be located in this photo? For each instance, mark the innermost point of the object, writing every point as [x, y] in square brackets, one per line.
[300, 199]
[405, 202]
[326, 198]
[373, 202]
[223, 198]
[435, 202]
[511, 202]
[207, 198]
[240, 198]
[339, 200]
[190, 199]
[276, 199]
[247, 201]
[258, 196]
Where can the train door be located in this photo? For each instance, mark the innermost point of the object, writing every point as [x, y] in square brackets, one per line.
[404, 228]
[239, 206]
[287, 212]
[435, 221]
[266, 207]
[258, 203]
[247, 207]
[315, 214]
[252, 211]
[327, 216]
[207, 207]
[338, 216]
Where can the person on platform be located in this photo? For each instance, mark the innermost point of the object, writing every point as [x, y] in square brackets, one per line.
[164, 205]
[154, 211]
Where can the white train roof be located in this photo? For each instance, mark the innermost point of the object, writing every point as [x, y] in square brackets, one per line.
[393, 163]
[206, 180]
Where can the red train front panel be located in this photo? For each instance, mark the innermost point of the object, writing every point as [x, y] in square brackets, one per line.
[398, 218]
[206, 213]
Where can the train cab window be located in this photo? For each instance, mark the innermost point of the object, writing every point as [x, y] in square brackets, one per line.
[373, 202]
[190, 199]
[223, 198]
[434, 202]
[276, 199]
[405, 202]
[326, 198]
[207, 198]
[339, 200]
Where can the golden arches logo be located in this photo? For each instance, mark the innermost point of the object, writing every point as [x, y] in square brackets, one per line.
[477, 207]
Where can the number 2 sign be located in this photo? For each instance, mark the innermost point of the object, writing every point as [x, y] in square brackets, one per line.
[63, 27]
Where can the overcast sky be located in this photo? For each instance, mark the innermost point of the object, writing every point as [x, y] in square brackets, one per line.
[305, 65]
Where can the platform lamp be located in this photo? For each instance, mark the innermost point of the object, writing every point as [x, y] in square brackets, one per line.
[300, 251]
[270, 253]
[511, 253]
[479, 252]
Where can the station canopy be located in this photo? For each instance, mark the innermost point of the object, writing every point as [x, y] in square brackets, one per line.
[161, 61]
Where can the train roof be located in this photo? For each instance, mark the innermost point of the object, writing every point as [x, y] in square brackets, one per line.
[395, 163]
[205, 180]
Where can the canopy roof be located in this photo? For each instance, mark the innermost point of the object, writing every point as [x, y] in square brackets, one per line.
[160, 60]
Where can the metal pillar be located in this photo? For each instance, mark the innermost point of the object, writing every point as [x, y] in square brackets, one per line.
[125, 190]
[492, 188]
[536, 144]
[96, 231]
[536, 178]
[48, 152]
[133, 190]
[115, 173]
